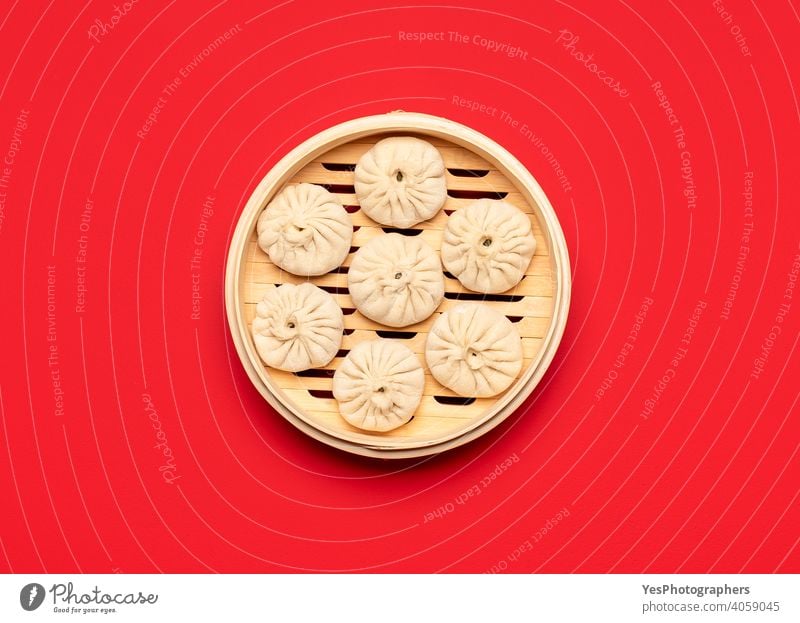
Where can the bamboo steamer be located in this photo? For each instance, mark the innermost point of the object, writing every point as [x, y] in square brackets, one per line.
[538, 305]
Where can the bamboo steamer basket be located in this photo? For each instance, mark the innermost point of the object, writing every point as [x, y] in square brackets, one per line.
[476, 167]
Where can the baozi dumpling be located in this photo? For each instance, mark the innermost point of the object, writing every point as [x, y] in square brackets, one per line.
[396, 280]
[379, 385]
[305, 230]
[401, 181]
[488, 245]
[297, 327]
[474, 351]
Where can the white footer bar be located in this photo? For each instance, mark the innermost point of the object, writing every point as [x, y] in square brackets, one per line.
[401, 598]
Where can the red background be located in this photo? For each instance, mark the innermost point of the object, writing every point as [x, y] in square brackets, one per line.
[707, 482]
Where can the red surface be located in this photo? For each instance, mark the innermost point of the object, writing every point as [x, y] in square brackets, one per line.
[707, 482]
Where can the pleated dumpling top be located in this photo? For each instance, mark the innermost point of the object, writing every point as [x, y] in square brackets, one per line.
[396, 280]
[305, 230]
[474, 350]
[401, 181]
[488, 245]
[379, 385]
[297, 327]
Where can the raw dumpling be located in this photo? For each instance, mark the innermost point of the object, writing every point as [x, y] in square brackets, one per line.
[396, 280]
[305, 230]
[378, 385]
[474, 350]
[488, 245]
[400, 181]
[297, 327]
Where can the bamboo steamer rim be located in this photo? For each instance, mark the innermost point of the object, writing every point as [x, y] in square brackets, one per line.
[419, 124]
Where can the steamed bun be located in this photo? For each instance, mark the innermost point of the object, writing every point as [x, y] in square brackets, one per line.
[379, 385]
[474, 350]
[401, 181]
[297, 327]
[396, 280]
[305, 230]
[488, 245]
